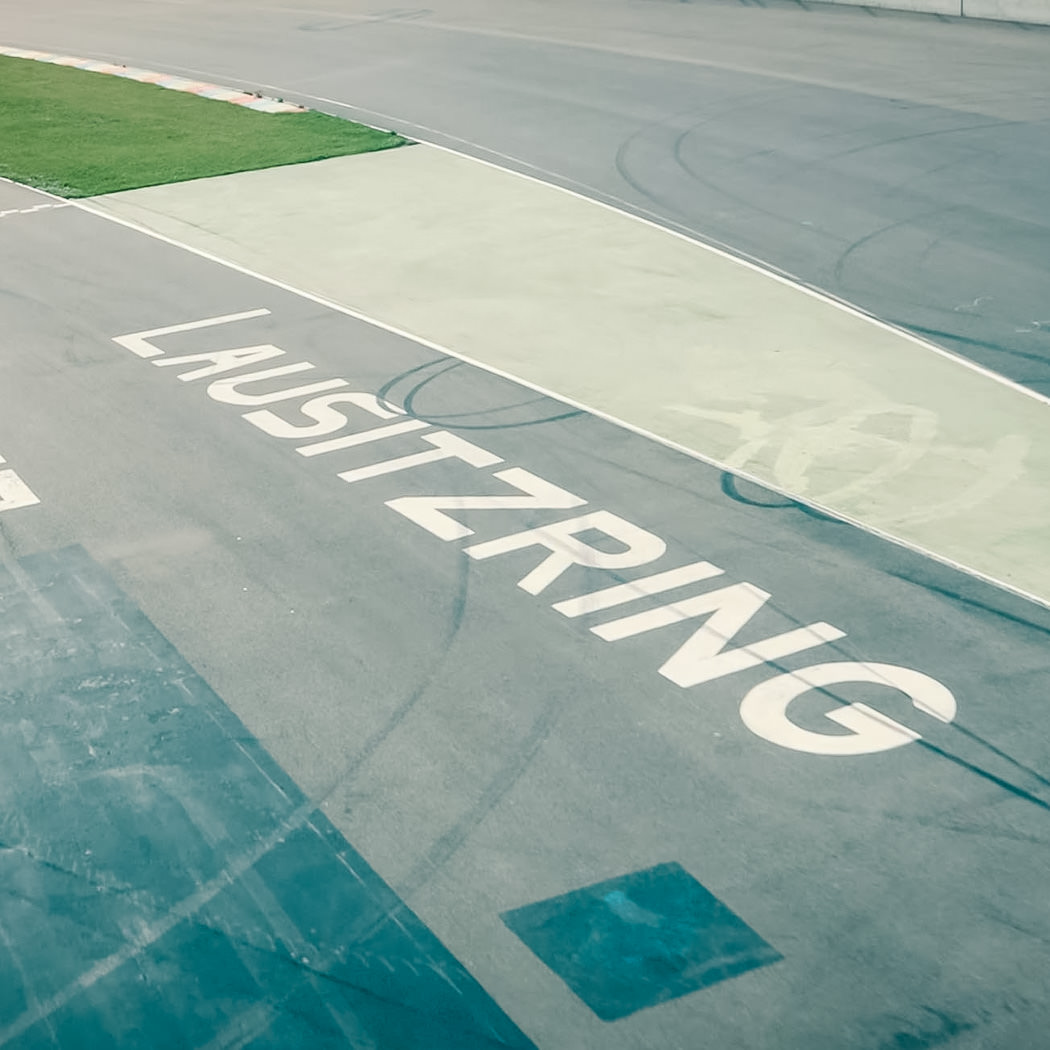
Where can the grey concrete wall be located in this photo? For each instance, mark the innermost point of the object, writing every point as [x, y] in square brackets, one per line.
[1037, 11]
[1034, 11]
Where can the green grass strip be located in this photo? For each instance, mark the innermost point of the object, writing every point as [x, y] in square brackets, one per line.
[78, 134]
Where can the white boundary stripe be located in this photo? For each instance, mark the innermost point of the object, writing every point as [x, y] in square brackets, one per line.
[49, 206]
[640, 431]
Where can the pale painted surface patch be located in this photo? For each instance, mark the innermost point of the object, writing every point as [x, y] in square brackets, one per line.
[654, 329]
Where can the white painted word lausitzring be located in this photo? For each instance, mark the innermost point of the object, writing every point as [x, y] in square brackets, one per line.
[723, 613]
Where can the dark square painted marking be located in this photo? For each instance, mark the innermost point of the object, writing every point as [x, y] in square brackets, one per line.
[639, 940]
[165, 884]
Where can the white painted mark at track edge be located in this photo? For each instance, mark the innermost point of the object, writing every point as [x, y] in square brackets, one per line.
[47, 206]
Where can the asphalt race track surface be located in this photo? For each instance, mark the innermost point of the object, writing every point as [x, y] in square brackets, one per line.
[327, 730]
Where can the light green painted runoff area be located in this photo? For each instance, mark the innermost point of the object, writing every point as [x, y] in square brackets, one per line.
[664, 334]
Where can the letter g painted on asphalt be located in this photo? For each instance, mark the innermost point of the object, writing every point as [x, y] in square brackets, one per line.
[765, 708]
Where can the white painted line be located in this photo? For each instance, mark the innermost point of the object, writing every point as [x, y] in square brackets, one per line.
[49, 206]
[630, 427]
